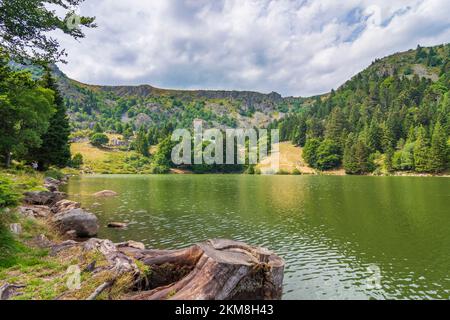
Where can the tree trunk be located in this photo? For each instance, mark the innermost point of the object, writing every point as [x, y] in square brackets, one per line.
[8, 159]
[212, 270]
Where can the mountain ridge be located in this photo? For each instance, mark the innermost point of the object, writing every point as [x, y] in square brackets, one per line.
[89, 103]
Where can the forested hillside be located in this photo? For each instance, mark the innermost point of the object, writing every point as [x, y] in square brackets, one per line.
[116, 108]
[395, 115]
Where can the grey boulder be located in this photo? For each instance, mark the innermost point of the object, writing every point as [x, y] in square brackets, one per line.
[84, 223]
[43, 197]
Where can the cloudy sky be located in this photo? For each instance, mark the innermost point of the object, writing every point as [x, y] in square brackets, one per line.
[294, 47]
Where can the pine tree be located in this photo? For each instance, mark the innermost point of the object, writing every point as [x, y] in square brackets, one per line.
[97, 128]
[335, 125]
[142, 143]
[422, 151]
[388, 160]
[387, 138]
[439, 150]
[419, 53]
[55, 148]
[349, 162]
[357, 157]
[127, 131]
[310, 151]
[374, 136]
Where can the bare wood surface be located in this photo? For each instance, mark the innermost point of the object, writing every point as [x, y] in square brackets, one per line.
[213, 270]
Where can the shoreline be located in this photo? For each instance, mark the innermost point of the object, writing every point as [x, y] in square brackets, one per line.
[58, 235]
[322, 173]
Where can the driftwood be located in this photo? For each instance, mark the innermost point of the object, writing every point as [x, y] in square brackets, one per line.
[212, 270]
[117, 261]
[9, 290]
[100, 289]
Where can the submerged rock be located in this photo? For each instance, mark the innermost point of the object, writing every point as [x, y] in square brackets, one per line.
[83, 222]
[106, 193]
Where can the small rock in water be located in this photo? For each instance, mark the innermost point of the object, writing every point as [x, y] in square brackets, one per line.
[106, 193]
[15, 228]
[118, 225]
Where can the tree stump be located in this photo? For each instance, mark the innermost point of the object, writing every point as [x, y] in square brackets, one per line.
[213, 270]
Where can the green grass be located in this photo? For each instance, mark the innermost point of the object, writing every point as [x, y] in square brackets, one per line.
[15, 253]
[110, 160]
[22, 264]
[24, 180]
[45, 276]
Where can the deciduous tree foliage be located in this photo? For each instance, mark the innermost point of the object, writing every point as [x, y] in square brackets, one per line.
[25, 26]
[25, 111]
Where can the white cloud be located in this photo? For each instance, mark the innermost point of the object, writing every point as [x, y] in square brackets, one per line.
[292, 47]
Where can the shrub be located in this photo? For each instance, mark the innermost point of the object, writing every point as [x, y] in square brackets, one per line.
[77, 160]
[54, 173]
[99, 139]
[250, 169]
[158, 169]
[404, 159]
[8, 195]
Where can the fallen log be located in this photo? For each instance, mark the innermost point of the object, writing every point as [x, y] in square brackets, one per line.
[213, 270]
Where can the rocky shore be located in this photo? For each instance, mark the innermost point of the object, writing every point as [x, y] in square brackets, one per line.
[216, 269]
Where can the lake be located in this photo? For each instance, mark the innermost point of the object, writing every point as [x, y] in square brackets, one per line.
[349, 237]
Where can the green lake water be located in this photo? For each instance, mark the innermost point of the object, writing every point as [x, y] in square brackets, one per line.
[335, 233]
